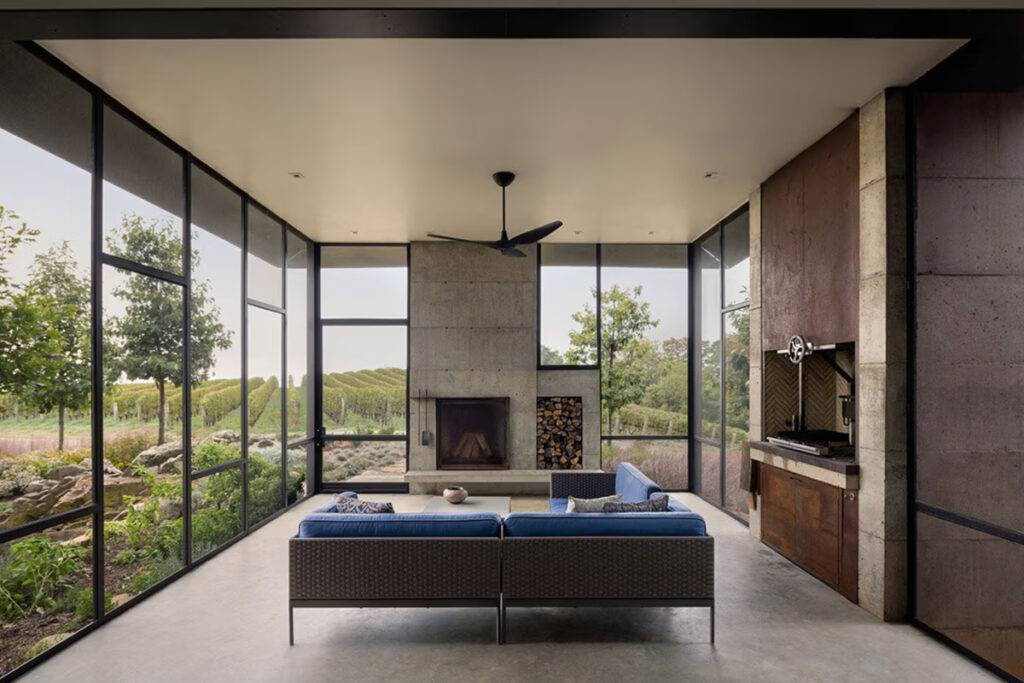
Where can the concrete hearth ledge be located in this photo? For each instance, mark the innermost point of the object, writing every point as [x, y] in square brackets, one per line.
[483, 482]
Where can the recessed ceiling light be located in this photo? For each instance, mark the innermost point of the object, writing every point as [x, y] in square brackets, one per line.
[297, 175]
[355, 232]
[578, 232]
[650, 232]
[710, 174]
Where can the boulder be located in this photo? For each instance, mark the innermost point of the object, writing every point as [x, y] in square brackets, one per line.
[115, 488]
[78, 495]
[172, 466]
[120, 599]
[67, 471]
[170, 510]
[224, 436]
[110, 470]
[157, 455]
[39, 485]
[262, 440]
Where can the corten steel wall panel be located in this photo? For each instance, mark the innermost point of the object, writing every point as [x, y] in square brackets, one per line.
[810, 228]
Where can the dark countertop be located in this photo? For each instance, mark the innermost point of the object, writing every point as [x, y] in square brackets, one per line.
[843, 465]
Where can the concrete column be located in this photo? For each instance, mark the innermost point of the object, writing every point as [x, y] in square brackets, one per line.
[756, 351]
[881, 358]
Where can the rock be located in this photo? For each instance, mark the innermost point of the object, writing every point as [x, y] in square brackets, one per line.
[262, 440]
[45, 644]
[78, 495]
[39, 485]
[157, 455]
[83, 540]
[224, 436]
[170, 510]
[115, 488]
[120, 599]
[173, 466]
[110, 470]
[67, 471]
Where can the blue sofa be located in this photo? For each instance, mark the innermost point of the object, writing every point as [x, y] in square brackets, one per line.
[395, 560]
[649, 559]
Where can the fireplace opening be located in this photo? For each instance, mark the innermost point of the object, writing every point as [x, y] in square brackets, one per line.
[472, 433]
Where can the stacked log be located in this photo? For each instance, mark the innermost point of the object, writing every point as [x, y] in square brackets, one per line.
[560, 433]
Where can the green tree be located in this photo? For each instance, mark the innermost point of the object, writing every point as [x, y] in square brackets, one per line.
[25, 340]
[625, 319]
[549, 356]
[737, 369]
[62, 298]
[147, 340]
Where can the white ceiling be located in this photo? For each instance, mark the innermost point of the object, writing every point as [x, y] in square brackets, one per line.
[397, 138]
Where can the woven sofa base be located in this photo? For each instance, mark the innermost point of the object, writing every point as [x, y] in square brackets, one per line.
[609, 571]
[394, 572]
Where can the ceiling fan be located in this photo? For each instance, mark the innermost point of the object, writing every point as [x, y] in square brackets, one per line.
[507, 246]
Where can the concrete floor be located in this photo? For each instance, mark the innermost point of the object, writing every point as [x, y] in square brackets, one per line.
[228, 620]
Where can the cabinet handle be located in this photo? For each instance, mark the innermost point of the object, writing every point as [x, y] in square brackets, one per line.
[851, 496]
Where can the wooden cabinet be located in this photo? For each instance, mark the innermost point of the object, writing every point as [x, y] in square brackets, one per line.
[810, 237]
[813, 524]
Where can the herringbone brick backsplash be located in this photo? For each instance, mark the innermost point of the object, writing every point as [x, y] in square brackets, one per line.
[822, 387]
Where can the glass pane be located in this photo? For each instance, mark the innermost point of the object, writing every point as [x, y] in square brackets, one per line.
[968, 589]
[378, 274]
[736, 259]
[664, 461]
[216, 319]
[264, 396]
[298, 351]
[710, 316]
[216, 508]
[644, 339]
[364, 380]
[266, 257]
[364, 461]
[710, 472]
[568, 300]
[143, 191]
[45, 292]
[142, 359]
[46, 589]
[298, 459]
[737, 406]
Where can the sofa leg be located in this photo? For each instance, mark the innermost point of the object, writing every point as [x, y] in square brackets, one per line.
[712, 624]
[497, 626]
[291, 625]
[504, 622]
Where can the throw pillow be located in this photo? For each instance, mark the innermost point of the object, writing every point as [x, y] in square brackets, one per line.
[363, 507]
[652, 505]
[590, 504]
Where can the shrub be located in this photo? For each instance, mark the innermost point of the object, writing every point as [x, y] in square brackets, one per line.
[632, 419]
[211, 453]
[34, 573]
[122, 449]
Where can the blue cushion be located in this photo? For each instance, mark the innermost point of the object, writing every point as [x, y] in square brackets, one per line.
[633, 484]
[558, 504]
[334, 525]
[605, 524]
[330, 505]
[673, 504]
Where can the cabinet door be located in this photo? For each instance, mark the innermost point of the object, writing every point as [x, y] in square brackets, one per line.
[819, 519]
[778, 511]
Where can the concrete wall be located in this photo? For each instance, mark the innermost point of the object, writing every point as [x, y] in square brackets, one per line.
[969, 369]
[473, 332]
[881, 358]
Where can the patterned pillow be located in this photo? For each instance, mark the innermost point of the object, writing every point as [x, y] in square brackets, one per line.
[590, 504]
[363, 507]
[652, 505]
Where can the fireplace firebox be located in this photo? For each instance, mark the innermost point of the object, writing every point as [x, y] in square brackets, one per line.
[472, 433]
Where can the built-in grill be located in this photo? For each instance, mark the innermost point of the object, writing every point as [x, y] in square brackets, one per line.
[821, 442]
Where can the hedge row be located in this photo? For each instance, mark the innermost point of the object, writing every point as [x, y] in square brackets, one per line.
[633, 419]
[258, 399]
[374, 403]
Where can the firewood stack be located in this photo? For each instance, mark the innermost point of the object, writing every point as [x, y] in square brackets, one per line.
[560, 433]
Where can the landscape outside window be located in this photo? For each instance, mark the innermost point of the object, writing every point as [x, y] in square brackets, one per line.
[364, 341]
[46, 361]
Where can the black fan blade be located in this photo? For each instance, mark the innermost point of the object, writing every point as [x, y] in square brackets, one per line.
[486, 243]
[513, 252]
[535, 235]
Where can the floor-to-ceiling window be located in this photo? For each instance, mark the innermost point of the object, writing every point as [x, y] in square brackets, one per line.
[364, 327]
[123, 328]
[45, 356]
[722, 377]
[622, 308]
